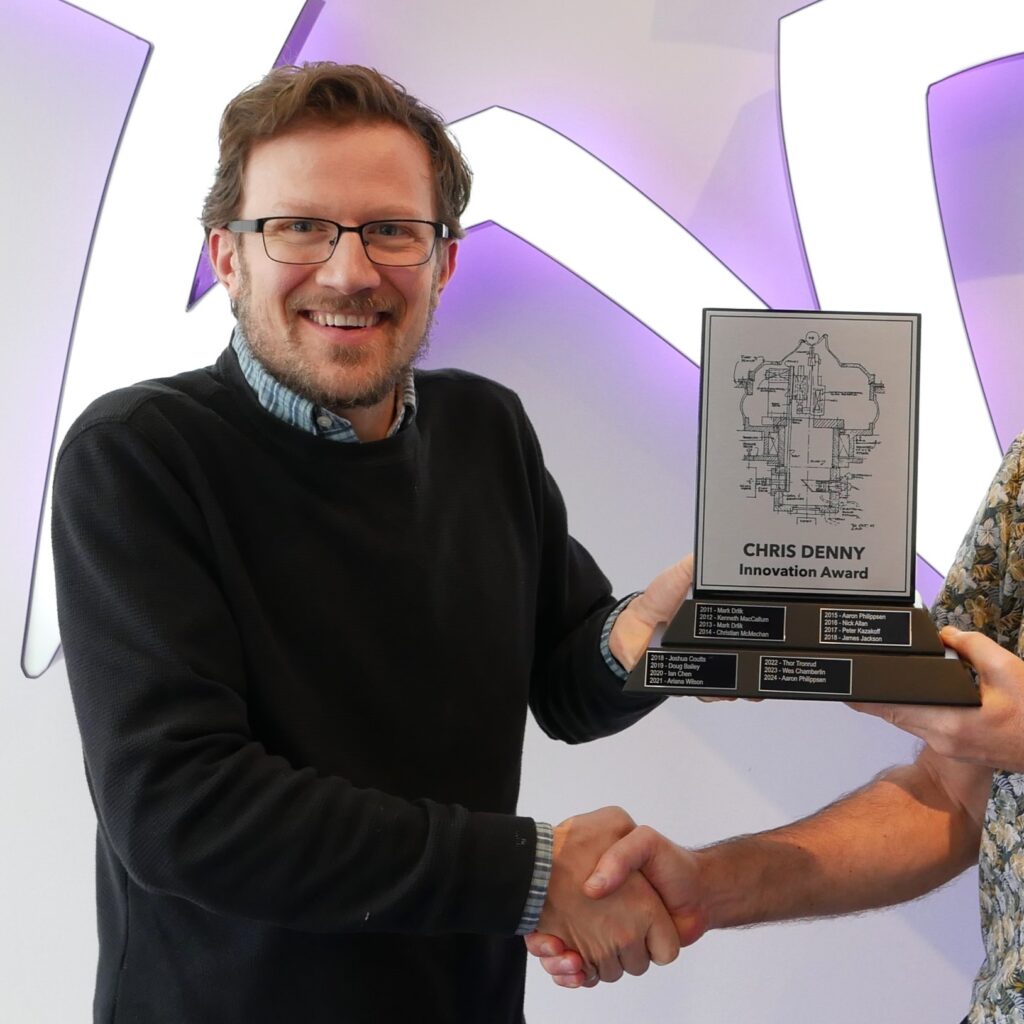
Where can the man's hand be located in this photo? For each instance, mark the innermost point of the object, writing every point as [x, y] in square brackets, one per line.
[992, 735]
[624, 932]
[631, 634]
[670, 869]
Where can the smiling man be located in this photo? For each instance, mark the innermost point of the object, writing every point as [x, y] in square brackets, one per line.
[333, 313]
[306, 597]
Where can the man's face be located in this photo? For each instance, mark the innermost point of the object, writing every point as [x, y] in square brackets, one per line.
[350, 174]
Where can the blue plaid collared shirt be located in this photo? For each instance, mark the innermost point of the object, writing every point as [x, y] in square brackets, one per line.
[300, 412]
[304, 415]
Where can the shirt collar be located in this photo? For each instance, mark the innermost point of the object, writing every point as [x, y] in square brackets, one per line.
[299, 412]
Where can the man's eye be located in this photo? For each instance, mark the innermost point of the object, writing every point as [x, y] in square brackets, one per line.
[390, 229]
[291, 229]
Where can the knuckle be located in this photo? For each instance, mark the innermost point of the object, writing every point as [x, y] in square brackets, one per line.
[645, 834]
[620, 818]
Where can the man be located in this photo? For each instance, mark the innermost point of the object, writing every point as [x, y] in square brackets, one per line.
[306, 597]
[911, 829]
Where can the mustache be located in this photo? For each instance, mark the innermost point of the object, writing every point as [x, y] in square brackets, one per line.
[354, 305]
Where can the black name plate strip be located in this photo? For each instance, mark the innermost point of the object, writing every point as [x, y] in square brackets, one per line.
[865, 627]
[739, 622]
[710, 670]
[833, 676]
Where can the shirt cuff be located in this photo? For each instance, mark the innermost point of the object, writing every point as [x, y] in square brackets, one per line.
[606, 652]
[539, 882]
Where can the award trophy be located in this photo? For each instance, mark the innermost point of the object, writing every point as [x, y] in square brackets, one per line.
[804, 555]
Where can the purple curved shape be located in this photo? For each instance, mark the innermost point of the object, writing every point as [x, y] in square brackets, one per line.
[976, 122]
[203, 279]
[928, 581]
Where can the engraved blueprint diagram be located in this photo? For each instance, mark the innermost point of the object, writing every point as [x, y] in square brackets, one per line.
[808, 426]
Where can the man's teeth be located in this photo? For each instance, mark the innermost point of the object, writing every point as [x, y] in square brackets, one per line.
[343, 319]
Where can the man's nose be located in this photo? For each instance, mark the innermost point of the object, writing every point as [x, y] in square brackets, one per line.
[349, 269]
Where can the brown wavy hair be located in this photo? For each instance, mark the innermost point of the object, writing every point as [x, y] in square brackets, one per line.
[330, 93]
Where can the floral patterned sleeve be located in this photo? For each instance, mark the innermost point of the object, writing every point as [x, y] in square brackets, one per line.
[984, 591]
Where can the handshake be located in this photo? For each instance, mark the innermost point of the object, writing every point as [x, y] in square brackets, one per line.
[619, 898]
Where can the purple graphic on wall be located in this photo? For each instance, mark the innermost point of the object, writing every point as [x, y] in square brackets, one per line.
[976, 120]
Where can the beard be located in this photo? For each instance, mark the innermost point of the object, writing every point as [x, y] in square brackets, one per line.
[320, 375]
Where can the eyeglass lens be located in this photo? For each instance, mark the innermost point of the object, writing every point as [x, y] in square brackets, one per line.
[395, 243]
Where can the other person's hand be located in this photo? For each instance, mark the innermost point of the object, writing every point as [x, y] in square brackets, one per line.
[990, 735]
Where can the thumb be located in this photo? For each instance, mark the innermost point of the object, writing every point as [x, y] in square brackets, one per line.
[662, 597]
[633, 852]
[981, 651]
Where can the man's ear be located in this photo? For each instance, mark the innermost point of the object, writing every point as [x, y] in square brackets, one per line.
[224, 257]
[447, 265]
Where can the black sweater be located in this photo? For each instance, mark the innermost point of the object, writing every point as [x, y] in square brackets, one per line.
[301, 672]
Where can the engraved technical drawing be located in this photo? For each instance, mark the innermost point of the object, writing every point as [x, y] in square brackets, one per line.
[808, 423]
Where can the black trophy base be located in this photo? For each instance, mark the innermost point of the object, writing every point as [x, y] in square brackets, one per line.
[801, 651]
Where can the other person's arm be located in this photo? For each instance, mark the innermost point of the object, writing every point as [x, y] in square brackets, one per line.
[907, 832]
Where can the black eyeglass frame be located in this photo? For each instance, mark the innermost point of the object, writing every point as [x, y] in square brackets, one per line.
[256, 227]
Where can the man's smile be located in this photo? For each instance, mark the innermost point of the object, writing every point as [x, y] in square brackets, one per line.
[343, 320]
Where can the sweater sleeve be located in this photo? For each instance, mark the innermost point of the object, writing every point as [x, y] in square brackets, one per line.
[575, 694]
[192, 804]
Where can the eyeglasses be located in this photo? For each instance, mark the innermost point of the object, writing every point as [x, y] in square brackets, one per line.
[389, 243]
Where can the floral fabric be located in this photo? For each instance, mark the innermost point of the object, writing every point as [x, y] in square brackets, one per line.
[984, 591]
